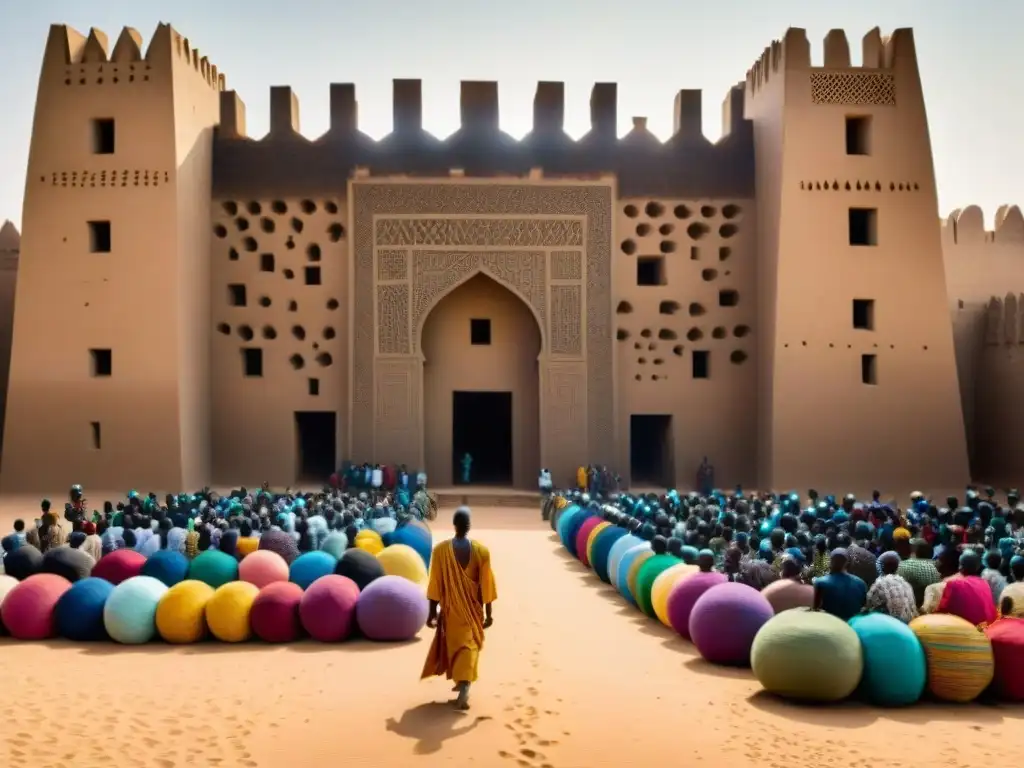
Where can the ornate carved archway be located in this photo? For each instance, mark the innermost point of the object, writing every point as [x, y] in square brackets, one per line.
[548, 242]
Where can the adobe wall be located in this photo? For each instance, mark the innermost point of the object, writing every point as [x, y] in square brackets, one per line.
[274, 248]
[10, 247]
[509, 363]
[144, 424]
[824, 426]
[999, 419]
[980, 264]
[704, 247]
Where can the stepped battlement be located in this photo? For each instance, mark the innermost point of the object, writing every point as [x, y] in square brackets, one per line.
[966, 226]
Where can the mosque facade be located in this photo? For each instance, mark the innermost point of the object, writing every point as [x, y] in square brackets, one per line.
[199, 306]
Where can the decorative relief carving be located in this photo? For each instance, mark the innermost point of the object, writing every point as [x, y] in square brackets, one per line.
[435, 272]
[392, 265]
[566, 265]
[566, 415]
[566, 305]
[479, 232]
[394, 406]
[393, 319]
[590, 203]
[853, 88]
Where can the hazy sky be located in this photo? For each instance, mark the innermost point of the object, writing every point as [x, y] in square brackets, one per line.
[969, 55]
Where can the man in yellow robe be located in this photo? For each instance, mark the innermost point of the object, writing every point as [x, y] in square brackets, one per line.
[462, 585]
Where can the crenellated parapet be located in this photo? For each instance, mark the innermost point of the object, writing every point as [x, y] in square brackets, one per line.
[686, 165]
[836, 81]
[966, 227]
[88, 59]
[10, 246]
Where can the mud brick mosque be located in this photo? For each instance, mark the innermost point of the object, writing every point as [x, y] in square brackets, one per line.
[195, 305]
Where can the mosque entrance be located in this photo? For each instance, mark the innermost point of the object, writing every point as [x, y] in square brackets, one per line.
[651, 460]
[315, 445]
[482, 427]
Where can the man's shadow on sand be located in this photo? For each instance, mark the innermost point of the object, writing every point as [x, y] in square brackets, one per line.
[432, 724]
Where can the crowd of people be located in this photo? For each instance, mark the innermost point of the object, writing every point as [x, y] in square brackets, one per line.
[233, 522]
[843, 556]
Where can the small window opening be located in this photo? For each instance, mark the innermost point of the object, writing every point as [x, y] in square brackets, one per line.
[103, 136]
[99, 237]
[864, 314]
[312, 275]
[252, 361]
[237, 295]
[858, 135]
[869, 369]
[102, 362]
[97, 435]
[701, 364]
[728, 298]
[650, 270]
[314, 387]
[480, 332]
[863, 226]
[267, 262]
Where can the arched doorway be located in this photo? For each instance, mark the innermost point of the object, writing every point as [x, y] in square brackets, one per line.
[481, 391]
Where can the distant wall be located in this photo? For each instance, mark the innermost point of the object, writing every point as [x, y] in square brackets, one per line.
[10, 248]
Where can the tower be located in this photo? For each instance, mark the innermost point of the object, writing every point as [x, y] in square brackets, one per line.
[857, 374]
[109, 381]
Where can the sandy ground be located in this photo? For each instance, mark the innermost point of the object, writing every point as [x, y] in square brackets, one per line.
[571, 677]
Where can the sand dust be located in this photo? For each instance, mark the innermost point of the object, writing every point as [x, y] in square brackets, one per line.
[571, 677]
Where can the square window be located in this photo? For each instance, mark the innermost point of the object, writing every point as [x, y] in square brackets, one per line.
[863, 226]
[701, 364]
[864, 314]
[102, 362]
[97, 435]
[314, 387]
[480, 332]
[267, 262]
[103, 136]
[252, 361]
[728, 298]
[237, 295]
[694, 253]
[650, 270]
[99, 237]
[869, 369]
[312, 275]
[858, 135]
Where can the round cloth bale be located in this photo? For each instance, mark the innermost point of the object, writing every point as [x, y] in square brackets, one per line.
[572, 529]
[166, 565]
[328, 608]
[663, 586]
[214, 568]
[181, 613]
[280, 542]
[28, 609]
[685, 594]
[960, 662]
[119, 566]
[402, 560]
[274, 616]
[335, 544]
[620, 548]
[263, 567]
[566, 521]
[895, 670]
[626, 566]
[310, 566]
[652, 568]
[391, 609]
[370, 541]
[1007, 638]
[725, 620]
[246, 545]
[602, 547]
[807, 655]
[73, 564]
[79, 612]
[416, 535]
[130, 612]
[634, 573]
[7, 583]
[227, 612]
[592, 539]
[23, 562]
[583, 537]
[360, 566]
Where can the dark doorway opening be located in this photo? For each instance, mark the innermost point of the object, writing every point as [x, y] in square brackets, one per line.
[651, 462]
[316, 444]
[482, 427]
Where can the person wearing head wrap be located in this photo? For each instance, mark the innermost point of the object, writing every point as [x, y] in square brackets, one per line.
[840, 593]
[891, 593]
[93, 544]
[51, 533]
[461, 590]
[965, 594]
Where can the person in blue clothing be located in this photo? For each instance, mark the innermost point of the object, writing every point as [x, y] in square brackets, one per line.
[840, 593]
[467, 466]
